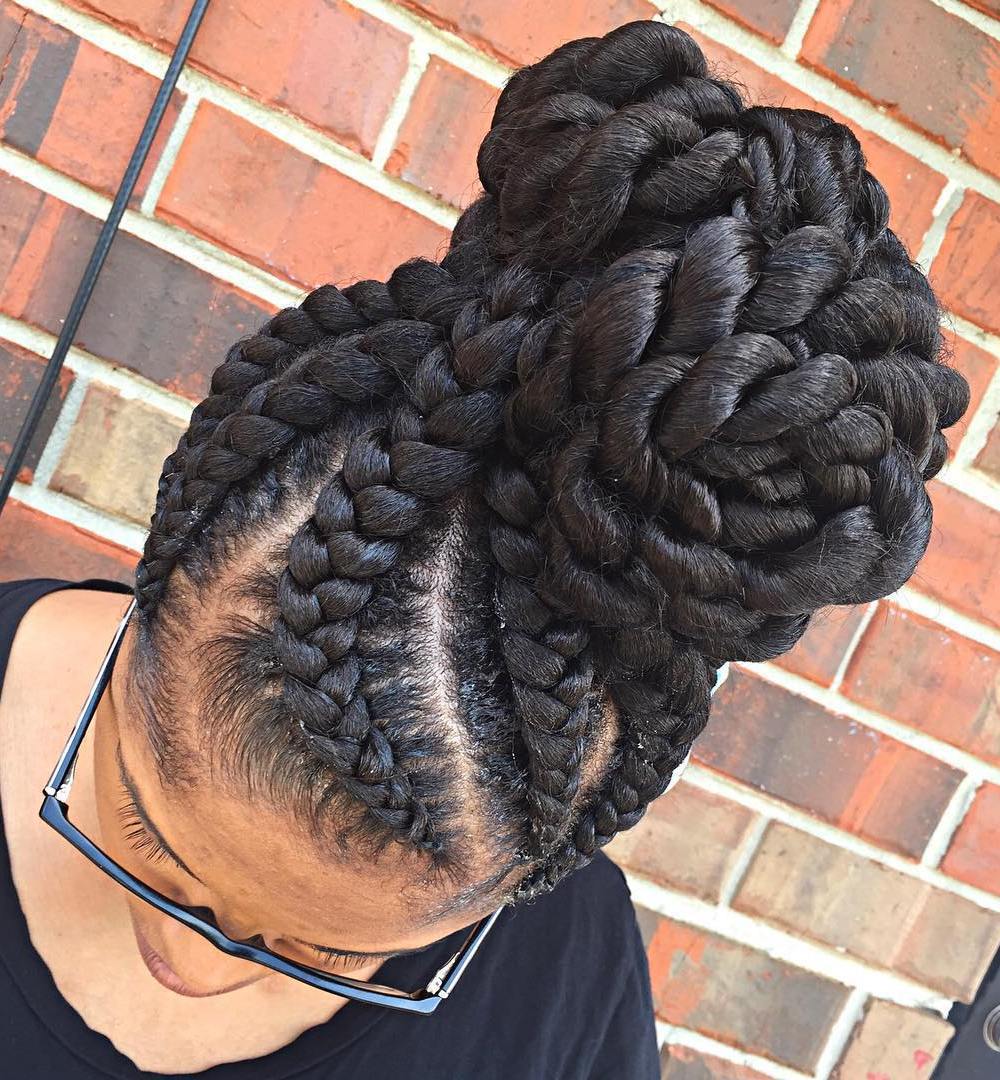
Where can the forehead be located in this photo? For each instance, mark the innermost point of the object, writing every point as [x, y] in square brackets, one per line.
[265, 872]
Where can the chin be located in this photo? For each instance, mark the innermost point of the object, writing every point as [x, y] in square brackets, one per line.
[165, 975]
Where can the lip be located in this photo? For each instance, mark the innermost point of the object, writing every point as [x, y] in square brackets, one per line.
[165, 974]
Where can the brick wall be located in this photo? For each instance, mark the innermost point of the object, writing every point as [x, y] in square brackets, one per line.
[825, 881]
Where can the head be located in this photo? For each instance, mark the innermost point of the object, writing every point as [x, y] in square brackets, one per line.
[442, 571]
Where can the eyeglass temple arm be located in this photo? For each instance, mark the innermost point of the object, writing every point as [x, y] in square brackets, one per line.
[61, 781]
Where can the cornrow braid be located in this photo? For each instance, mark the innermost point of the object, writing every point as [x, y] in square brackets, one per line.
[383, 492]
[681, 385]
[182, 504]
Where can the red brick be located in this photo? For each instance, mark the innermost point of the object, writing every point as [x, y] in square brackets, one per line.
[928, 68]
[988, 459]
[964, 272]
[817, 890]
[741, 996]
[307, 222]
[919, 672]
[893, 1043]
[838, 770]
[680, 1063]
[991, 7]
[150, 312]
[687, 840]
[521, 31]
[978, 366]
[450, 114]
[960, 566]
[73, 106]
[913, 188]
[20, 373]
[33, 544]
[772, 18]
[974, 855]
[114, 454]
[334, 66]
[818, 653]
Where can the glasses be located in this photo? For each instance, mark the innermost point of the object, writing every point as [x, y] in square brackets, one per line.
[55, 812]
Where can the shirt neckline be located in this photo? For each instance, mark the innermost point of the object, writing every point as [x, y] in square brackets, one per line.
[29, 973]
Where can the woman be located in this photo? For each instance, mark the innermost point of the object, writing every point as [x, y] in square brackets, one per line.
[438, 584]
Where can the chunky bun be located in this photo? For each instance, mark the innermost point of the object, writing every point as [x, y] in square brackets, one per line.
[691, 378]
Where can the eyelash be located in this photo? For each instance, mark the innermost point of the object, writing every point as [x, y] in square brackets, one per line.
[142, 840]
[138, 836]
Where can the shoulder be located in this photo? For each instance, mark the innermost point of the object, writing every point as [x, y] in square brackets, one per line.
[590, 911]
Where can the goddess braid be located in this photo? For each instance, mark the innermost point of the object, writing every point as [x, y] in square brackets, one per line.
[383, 492]
[691, 516]
[691, 380]
[184, 499]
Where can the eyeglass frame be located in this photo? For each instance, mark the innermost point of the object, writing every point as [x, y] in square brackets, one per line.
[54, 812]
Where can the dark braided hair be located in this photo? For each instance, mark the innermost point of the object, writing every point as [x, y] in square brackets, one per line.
[475, 541]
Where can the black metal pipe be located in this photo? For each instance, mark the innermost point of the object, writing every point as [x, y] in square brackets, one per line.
[89, 279]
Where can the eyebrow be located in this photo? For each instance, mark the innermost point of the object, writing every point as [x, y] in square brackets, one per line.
[129, 784]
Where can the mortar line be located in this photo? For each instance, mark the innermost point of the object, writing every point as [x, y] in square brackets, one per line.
[476, 62]
[716, 26]
[728, 788]
[171, 149]
[851, 648]
[798, 28]
[979, 426]
[831, 701]
[840, 1033]
[954, 813]
[979, 19]
[675, 1035]
[72, 512]
[415, 68]
[85, 365]
[61, 430]
[945, 208]
[745, 852]
[781, 945]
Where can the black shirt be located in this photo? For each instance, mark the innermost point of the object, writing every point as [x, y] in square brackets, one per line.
[559, 989]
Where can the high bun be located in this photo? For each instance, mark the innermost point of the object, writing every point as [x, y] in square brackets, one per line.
[484, 533]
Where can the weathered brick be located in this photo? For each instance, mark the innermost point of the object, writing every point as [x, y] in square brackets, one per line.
[960, 566]
[681, 1063]
[334, 66]
[772, 18]
[913, 187]
[818, 653]
[113, 456]
[333, 229]
[978, 366]
[150, 311]
[835, 768]
[915, 670]
[73, 106]
[520, 31]
[974, 855]
[33, 544]
[893, 1043]
[988, 459]
[20, 373]
[823, 892]
[964, 273]
[741, 996]
[438, 142]
[925, 66]
[686, 840]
